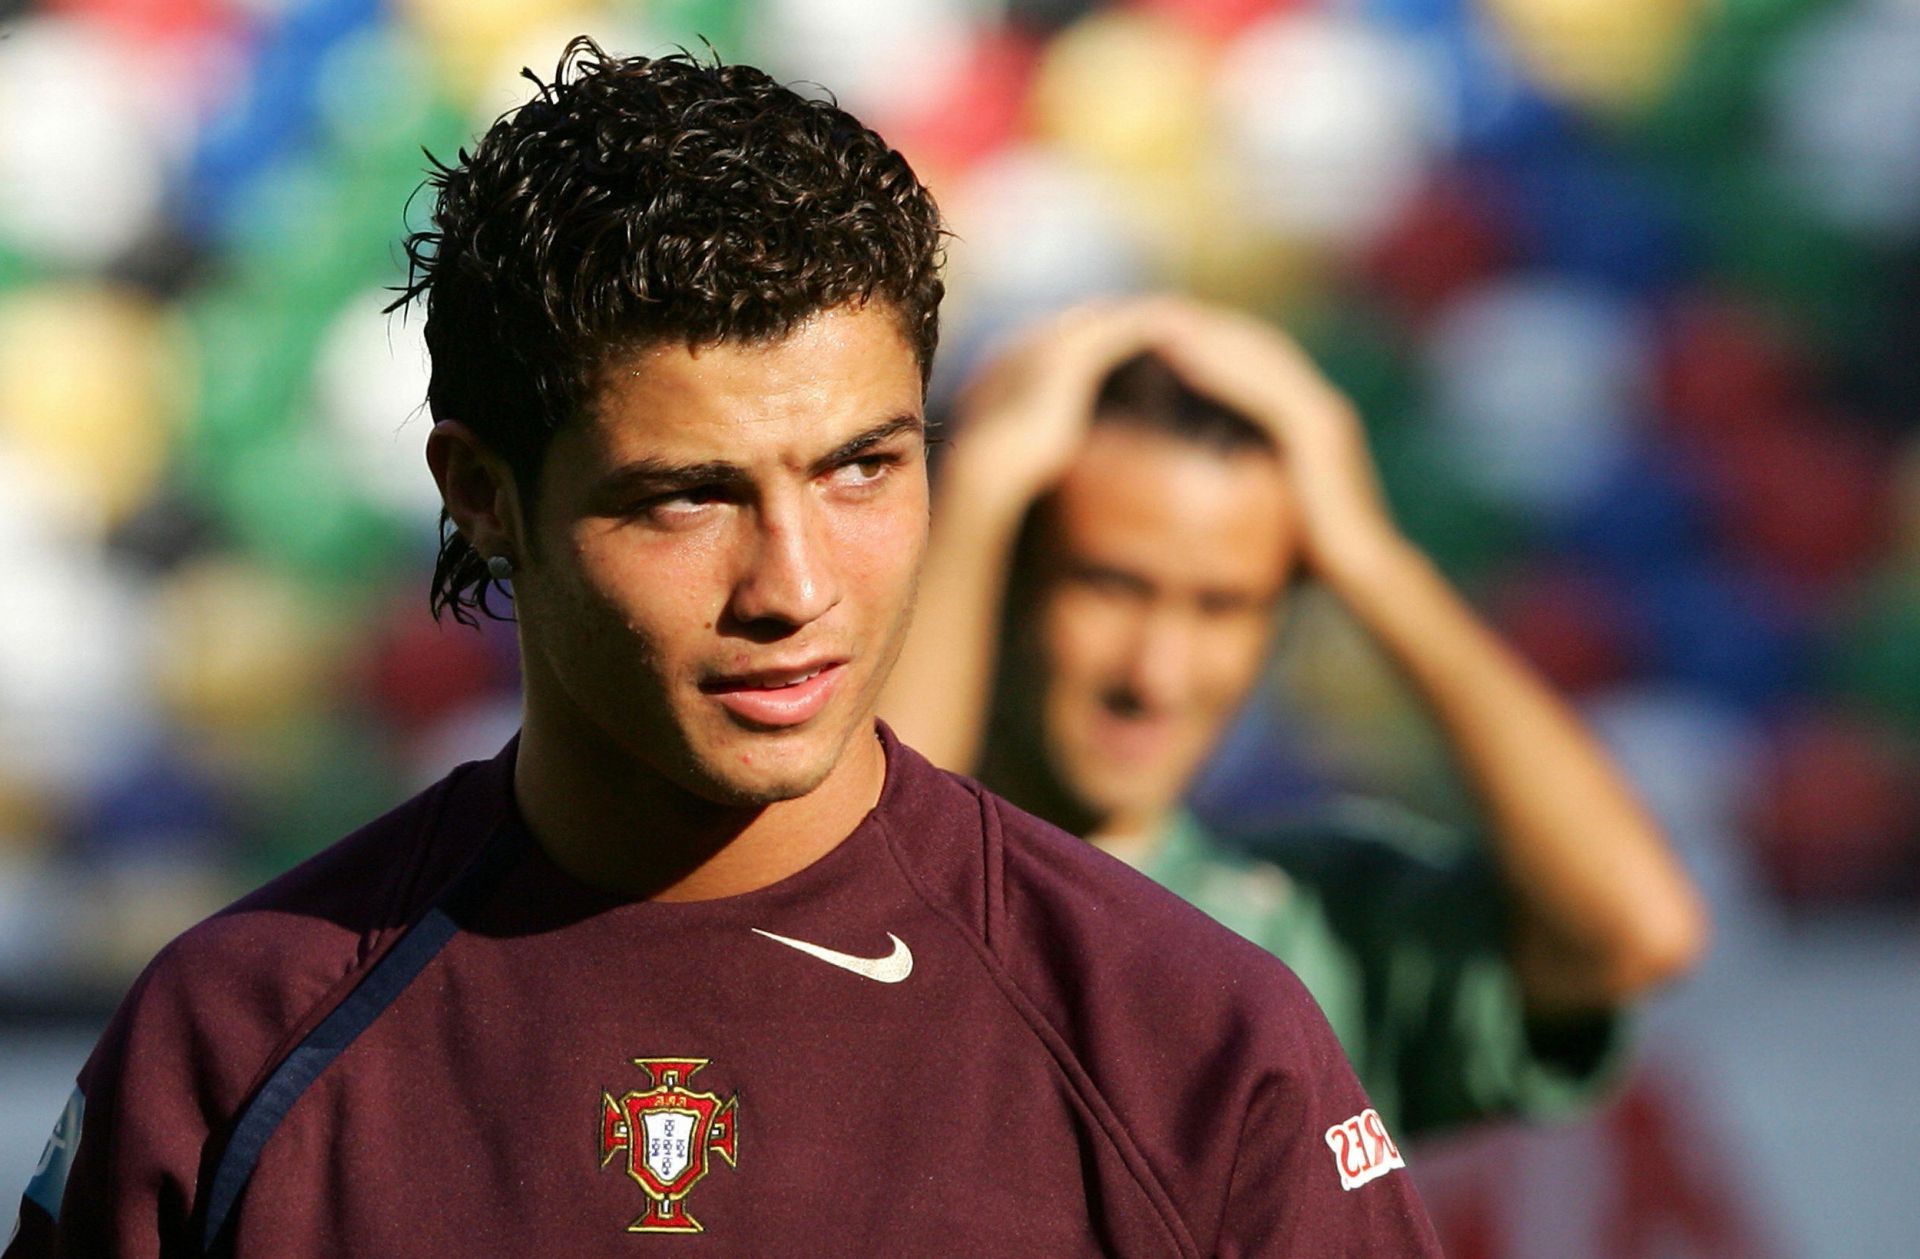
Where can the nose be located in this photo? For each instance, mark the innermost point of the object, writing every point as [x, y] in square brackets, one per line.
[787, 578]
[1159, 666]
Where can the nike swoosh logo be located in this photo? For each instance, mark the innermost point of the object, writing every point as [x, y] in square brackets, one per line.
[890, 969]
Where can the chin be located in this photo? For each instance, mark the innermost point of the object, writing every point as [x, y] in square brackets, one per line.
[756, 771]
[1123, 794]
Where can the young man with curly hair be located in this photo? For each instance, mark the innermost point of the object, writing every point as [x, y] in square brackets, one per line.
[704, 961]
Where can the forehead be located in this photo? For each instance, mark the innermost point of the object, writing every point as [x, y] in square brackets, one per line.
[1173, 512]
[836, 372]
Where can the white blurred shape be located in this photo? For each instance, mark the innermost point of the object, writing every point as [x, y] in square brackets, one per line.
[1035, 230]
[1537, 382]
[1692, 759]
[82, 149]
[370, 390]
[877, 59]
[1333, 119]
[1844, 115]
[74, 649]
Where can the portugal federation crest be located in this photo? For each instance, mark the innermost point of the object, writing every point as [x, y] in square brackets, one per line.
[671, 1136]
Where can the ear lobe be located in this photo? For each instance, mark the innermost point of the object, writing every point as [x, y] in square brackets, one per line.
[476, 487]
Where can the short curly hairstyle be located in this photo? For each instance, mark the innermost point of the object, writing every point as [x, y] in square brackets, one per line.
[636, 200]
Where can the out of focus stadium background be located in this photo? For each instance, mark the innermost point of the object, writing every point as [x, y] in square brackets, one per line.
[1628, 290]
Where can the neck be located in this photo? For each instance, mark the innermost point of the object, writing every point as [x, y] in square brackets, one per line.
[1134, 838]
[615, 823]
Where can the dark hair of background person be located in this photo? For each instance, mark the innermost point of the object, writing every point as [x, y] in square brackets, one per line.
[634, 201]
[1144, 392]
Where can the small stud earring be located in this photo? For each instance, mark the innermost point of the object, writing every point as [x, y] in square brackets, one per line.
[499, 567]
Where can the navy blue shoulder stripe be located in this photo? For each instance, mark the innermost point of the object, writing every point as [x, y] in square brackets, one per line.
[378, 989]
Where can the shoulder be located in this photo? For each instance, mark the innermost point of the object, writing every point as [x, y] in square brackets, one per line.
[1197, 1055]
[1083, 927]
[230, 989]
[1064, 921]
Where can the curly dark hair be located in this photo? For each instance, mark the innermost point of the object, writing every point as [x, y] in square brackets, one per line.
[635, 200]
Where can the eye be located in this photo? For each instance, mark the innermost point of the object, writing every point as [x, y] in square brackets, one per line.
[865, 470]
[682, 504]
[1110, 583]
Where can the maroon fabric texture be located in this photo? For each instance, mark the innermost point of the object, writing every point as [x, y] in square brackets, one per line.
[1078, 1064]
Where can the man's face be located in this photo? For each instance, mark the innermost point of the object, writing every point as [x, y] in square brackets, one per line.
[724, 555]
[1161, 566]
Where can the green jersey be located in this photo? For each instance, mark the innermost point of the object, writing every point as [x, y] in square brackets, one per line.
[1399, 931]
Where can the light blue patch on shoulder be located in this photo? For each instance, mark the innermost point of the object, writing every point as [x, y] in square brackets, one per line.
[49, 1183]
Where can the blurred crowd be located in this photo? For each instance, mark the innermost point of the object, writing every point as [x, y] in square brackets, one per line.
[1627, 291]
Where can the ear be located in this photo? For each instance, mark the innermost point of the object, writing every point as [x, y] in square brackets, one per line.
[477, 488]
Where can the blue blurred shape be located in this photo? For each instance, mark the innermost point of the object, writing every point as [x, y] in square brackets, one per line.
[1583, 213]
[1739, 636]
[1646, 514]
[156, 804]
[273, 112]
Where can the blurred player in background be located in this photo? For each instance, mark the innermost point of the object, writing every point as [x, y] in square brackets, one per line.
[704, 949]
[1132, 489]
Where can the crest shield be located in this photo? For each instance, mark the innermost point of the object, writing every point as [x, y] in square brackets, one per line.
[669, 1134]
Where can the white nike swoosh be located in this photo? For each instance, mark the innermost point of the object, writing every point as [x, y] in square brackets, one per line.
[890, 969]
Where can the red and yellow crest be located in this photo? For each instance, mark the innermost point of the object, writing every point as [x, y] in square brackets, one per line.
[670, 1134]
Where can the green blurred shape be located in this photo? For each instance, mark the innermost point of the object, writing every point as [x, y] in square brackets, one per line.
[1356, 345]
[376, 91]
[1873, 656]
[338, 773]
[316, 230]
[1465, 534]
[1759, 237]
[253, 357]
[16, 269]
[722, 23]
[287, 499]
[1710, 108]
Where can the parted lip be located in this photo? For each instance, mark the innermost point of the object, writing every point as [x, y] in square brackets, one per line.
[771, 677]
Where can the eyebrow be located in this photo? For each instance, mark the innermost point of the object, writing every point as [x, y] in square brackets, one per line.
[658, 476]
[882, 432]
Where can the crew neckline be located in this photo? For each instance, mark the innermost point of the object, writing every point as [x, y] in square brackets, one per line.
[539, 895]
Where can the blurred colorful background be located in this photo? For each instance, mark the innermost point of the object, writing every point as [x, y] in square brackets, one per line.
[1628, 291]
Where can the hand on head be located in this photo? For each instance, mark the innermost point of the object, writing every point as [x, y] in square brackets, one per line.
[1024, 417]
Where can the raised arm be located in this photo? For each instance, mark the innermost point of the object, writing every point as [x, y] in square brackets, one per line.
[1019, 422]
[1603, 910]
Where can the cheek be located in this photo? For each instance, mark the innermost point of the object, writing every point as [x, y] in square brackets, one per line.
[1232, 656]
[1084, 639]
[880, 548]
[655, 590]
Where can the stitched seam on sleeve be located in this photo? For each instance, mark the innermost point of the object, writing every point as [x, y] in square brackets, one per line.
[1105, 1119]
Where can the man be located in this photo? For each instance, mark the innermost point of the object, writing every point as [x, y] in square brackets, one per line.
[1139, 483]
[705, 961]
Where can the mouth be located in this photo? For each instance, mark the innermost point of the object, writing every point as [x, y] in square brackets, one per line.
[777, 697]
[1135, 738]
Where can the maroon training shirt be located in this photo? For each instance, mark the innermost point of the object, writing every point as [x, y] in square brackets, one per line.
[961, 1032]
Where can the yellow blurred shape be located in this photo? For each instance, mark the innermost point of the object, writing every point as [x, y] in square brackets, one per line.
[87, 393]
[28, 818]
[1126, 91]
[1201, 238]
[241, 648]
[1613, 55]
[469, 39]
